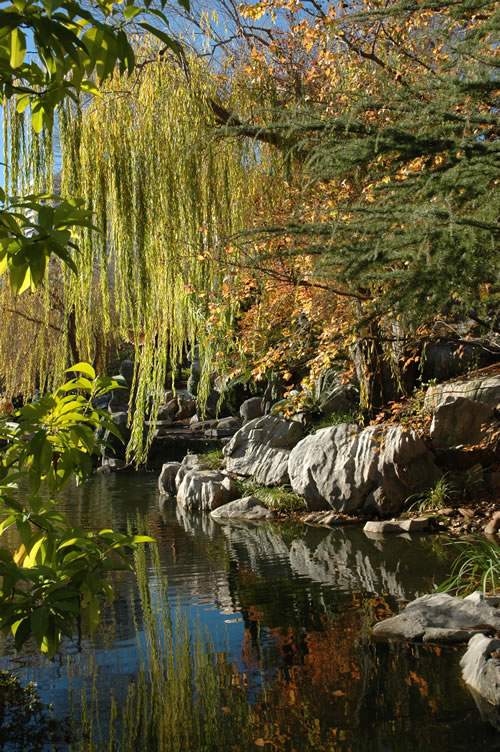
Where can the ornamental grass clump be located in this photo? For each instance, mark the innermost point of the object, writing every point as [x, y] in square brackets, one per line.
[434, 498]
[477, 567]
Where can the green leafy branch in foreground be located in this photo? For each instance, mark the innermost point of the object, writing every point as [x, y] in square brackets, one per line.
[31, 230]
[57, 573]
[76, 48]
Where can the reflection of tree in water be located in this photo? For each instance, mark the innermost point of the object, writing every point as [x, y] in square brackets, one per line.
[340, 692]
[316, 678]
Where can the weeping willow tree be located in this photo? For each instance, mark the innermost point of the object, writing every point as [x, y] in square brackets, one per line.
[166, 195]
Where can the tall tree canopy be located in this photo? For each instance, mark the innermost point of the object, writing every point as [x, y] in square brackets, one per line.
[331, 180]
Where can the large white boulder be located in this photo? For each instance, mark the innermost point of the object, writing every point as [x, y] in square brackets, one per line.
[486, 390]
[205, 490]
[353, 469]
[166, 480]
[189, 462]
[463, 412]
[261, 449]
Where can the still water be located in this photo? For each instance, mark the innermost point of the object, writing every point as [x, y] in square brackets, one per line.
[248, 637]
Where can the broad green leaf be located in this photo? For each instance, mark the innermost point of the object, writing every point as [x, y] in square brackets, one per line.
[19, 278]
[46, 217]
[83, 368]
[50, 642]
[30, 559]
[21, 631]
[39, 622]
[70, 542]
[5, 524]
[141, 539]
[37, 118]
[23, 102]
[90, 87]
[37, 266]
[17, 48]
[163, 36]
[93, 612]
[131, 11]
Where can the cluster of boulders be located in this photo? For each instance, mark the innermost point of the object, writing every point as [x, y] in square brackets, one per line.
[347, 469]
[197, 488]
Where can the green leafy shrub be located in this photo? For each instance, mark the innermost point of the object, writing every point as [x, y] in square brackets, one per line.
[58, 572]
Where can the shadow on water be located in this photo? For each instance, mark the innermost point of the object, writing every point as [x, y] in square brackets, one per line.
[243, 637]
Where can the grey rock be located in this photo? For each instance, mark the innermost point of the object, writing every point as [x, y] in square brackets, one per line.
[166, 413]
[493, 526]
[478, 390]
[112, 464]
[120, 420]
[460, 421]
[166, 480]
[223, 428]
[189, 462]
[231, 423]
[385, 527]
[219, 433]
[248, 508]
[261, 449]
[127, 370]
[186, 406]
[205, 490]
[119, 401]
[439, 611]
[481, 667]
[353, 469]
[250, 409]
[196, 424]
[102, 402]
[377, 503]
[115, 447]
[170, 410]
[441, 634]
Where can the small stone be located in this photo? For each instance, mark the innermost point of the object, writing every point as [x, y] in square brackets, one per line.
[493, 525]
[313, 518]
[466, 512]
[248, 508]
[448, 511]
[384, 527]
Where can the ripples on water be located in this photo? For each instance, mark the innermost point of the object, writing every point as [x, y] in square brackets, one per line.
[242, 637]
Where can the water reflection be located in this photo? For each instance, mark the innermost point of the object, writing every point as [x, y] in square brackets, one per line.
[290, 663]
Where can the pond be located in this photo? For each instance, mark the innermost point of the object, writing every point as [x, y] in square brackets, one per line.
[248, 637]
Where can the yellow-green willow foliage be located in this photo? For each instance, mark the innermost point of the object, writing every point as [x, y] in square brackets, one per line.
[34, 346]
[166, 195]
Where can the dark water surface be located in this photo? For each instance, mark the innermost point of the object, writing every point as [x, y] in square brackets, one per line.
[285, 660]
